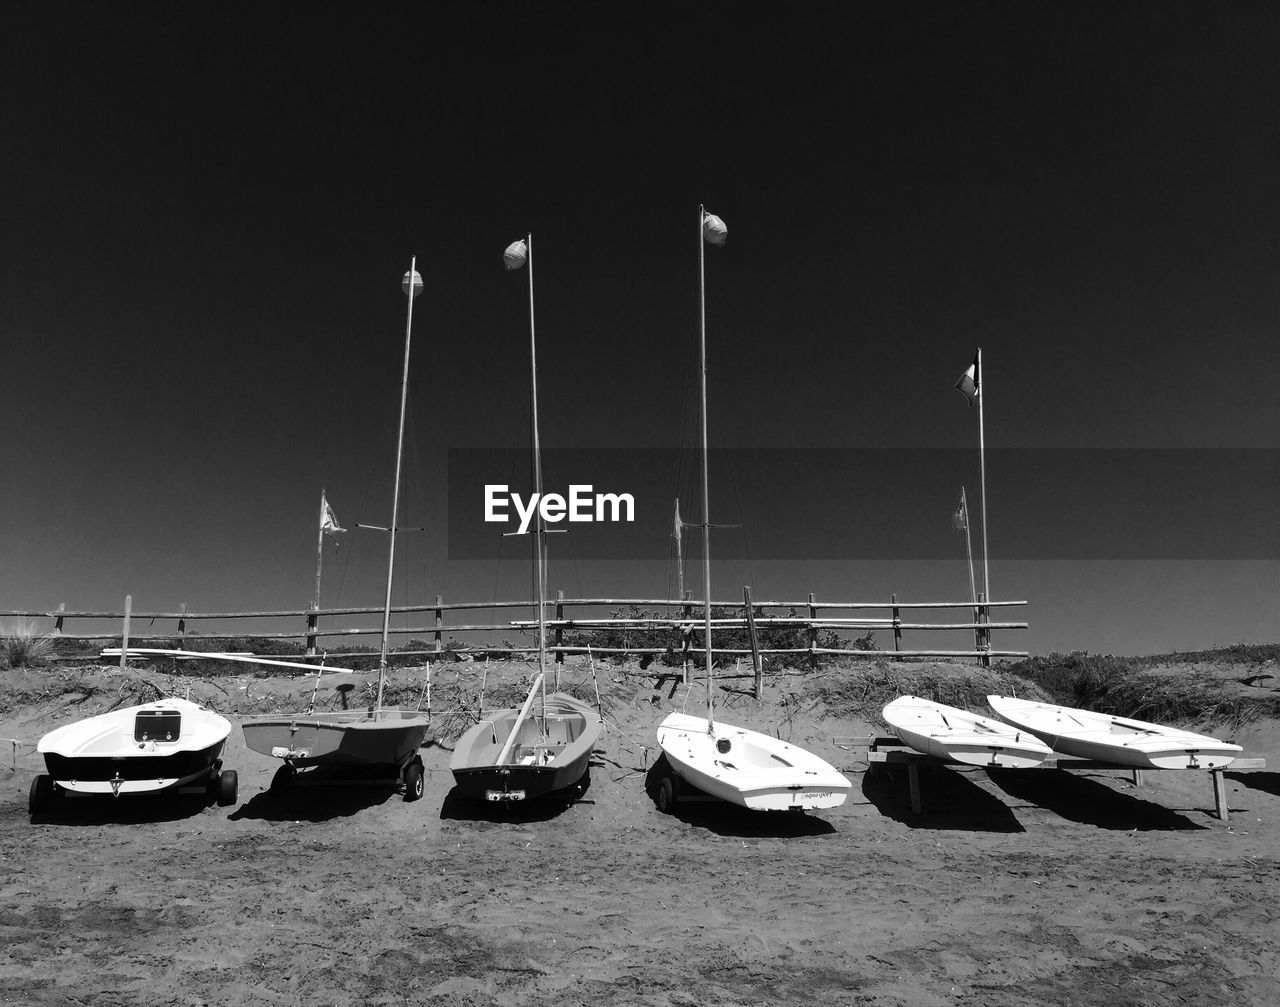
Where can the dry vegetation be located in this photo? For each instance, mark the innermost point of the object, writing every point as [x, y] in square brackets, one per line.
[1175, 689]
[24, 646]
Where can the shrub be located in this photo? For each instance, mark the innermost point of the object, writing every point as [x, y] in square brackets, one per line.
[671, 641]
[25, 647]
[1123, 687]
[863, 692]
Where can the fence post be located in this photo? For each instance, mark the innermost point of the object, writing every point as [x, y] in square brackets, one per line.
[182, 626]
[124, 637]
[313, 622]
[984, 615]
[813, 632]
[57, 619]
[559, 628]
[756, 663]
[897, 625]
[438, 642]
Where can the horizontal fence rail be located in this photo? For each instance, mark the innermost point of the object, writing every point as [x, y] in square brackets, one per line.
[683, 629]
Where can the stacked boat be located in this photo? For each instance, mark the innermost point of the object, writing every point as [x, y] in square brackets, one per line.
[1028, 732]
[1119, 740]
[955, 735]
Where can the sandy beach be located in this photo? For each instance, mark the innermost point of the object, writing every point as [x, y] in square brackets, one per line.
[1038, 887]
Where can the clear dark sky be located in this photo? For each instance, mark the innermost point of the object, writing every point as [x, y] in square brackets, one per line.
[205, 213]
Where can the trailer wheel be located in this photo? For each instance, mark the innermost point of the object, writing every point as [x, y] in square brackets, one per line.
[228, 786]
[211, 784]
[413, 780]
[41, 794]
[666, 796]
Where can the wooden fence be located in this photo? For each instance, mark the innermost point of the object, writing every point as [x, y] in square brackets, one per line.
[683, 622]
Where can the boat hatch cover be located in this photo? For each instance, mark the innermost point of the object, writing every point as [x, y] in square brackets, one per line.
[157, 725]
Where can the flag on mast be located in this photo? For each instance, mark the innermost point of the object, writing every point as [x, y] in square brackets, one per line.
[328, 520]
[960, 519]
[970, 383]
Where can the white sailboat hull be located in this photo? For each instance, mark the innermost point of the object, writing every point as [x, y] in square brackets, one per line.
[1100, 736]
[955, 735]
[136, 750]
[749, 769]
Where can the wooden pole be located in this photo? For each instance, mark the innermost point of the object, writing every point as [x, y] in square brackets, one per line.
[813, 633]
[985, 644]
[313, 626]
[124, 638]
[560, 627]
[319, 564]
[897, 624]
[439, 641]
[756, 663]
[1220, 795]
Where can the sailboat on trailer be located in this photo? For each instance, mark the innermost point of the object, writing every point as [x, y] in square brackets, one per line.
[372, 738]
[546, 745]
[743, 767]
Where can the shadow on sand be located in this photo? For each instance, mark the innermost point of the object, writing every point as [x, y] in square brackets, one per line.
[462, 807]
[725, 819]
[93, 810]
[318, 796]
[949, 799]
[1090, 802]
[1268, 783]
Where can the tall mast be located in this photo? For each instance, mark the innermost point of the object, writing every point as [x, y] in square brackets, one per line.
[710, 229]
[706, 506]
[539, 563]
[412, 286]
